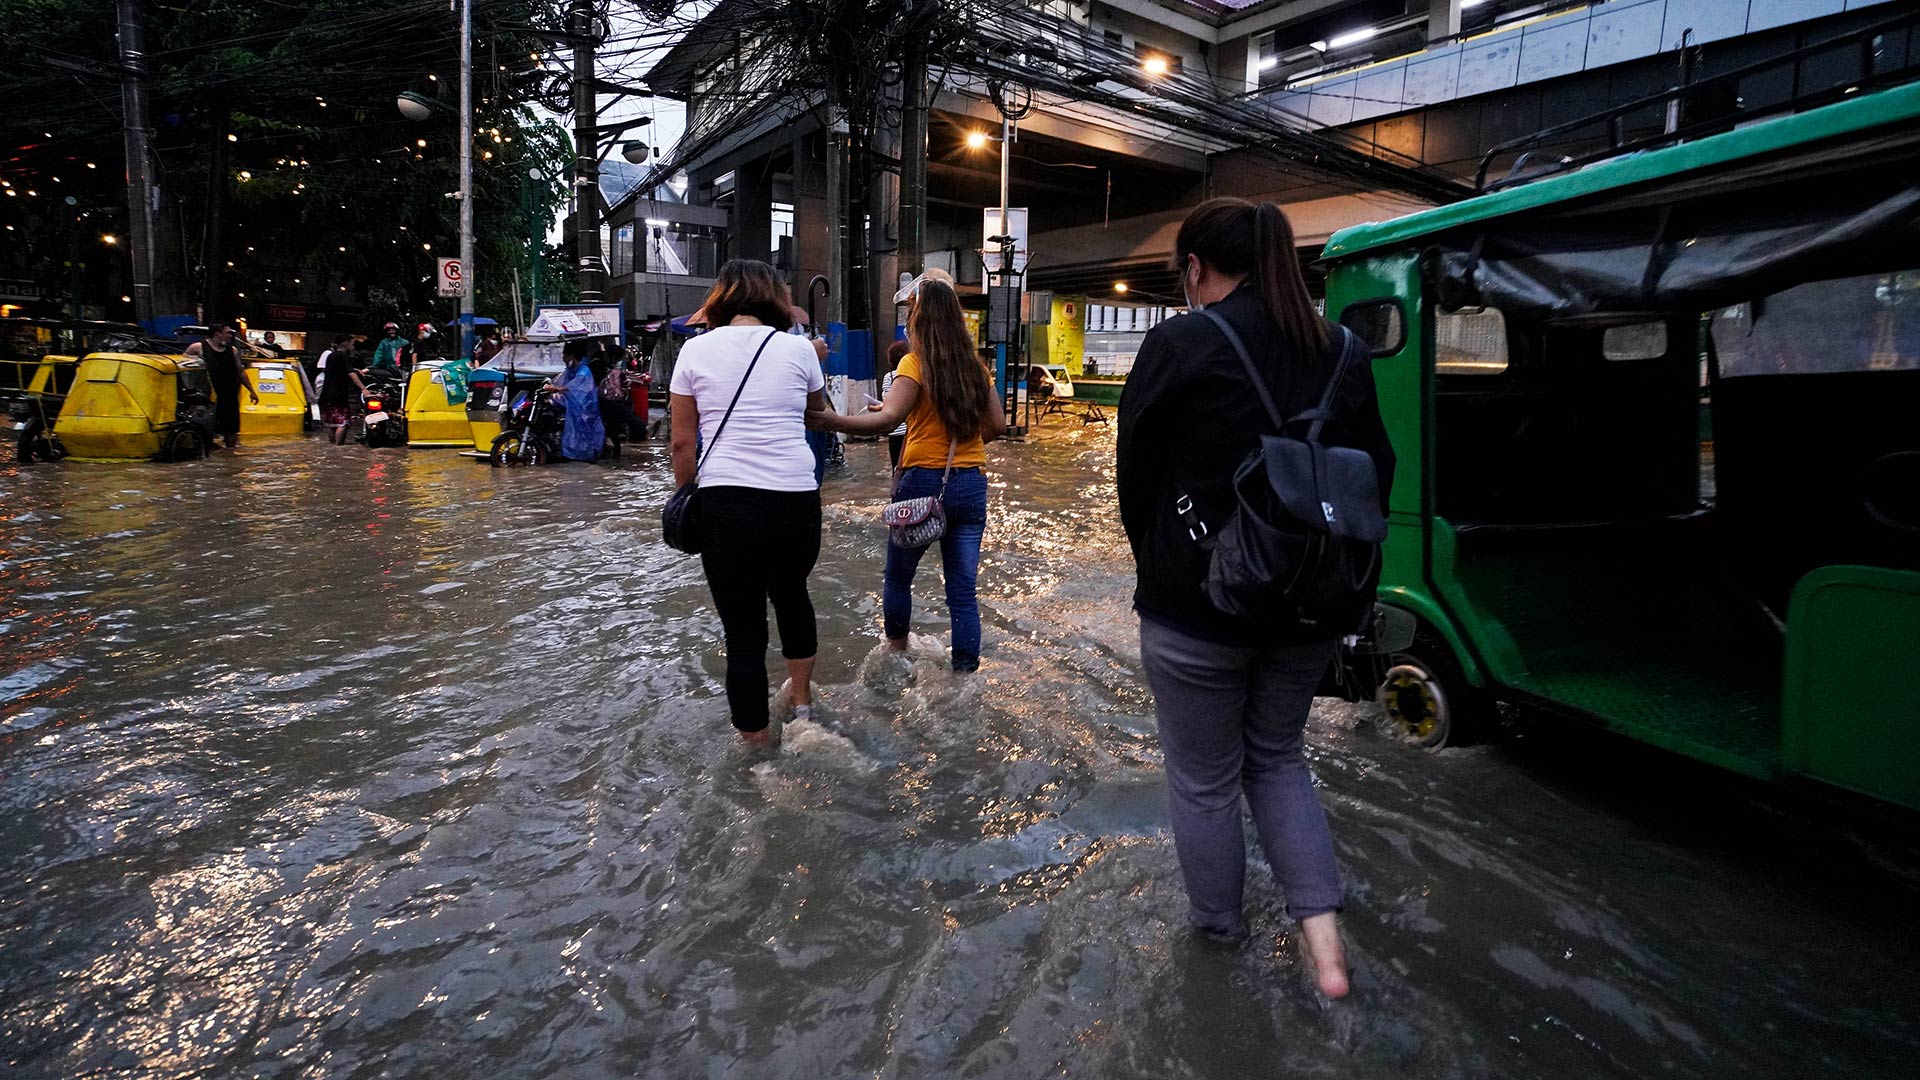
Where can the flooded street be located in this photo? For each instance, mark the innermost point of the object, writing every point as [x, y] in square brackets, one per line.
[323, 762]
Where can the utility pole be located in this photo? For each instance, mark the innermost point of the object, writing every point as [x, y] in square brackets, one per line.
[140, 191]
[468, 278]
[913, 162]
[213, 251]
[586, 154]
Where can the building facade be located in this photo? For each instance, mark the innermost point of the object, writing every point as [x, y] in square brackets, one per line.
[1341, 111]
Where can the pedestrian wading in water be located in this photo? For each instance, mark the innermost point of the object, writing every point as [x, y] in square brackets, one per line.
[759, 506]
[228, 374]
[1231, 692]
[945, 395]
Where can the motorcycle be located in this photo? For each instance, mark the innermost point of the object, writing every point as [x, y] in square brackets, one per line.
[384, 422]
[529, 431]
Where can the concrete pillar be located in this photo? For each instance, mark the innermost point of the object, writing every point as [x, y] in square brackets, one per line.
[752, 218]
[812, 227]
[885, 238]
[1443, 19]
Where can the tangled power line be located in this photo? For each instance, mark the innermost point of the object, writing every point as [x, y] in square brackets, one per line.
[766, 58]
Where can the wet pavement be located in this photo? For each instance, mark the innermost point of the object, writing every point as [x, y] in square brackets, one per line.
[323, 762]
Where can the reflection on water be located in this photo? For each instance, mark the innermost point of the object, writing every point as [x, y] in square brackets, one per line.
[322, 762]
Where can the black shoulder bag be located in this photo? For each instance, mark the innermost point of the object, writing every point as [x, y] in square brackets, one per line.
[680, 520]
[1303, 540]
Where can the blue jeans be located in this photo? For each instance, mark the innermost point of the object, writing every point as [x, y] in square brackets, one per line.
[966, 505]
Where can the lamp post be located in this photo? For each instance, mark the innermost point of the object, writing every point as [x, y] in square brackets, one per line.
[466, 179]
[1003, 283]
[416, 107]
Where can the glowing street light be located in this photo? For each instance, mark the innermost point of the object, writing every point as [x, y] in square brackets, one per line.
[978, 140]
[1155, 66]
[1120, 286]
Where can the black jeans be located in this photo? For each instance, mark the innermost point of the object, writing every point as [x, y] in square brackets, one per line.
[759, 546]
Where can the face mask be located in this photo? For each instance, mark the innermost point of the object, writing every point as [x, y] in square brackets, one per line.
[1185, 275]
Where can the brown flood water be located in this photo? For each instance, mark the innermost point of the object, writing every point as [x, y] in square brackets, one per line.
[323, 762]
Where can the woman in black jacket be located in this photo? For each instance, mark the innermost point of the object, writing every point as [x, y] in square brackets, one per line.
[1231, 694]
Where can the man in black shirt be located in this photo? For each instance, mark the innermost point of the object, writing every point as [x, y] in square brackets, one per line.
[228, 374]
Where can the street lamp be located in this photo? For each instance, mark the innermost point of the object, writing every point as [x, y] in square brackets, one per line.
[414, 106]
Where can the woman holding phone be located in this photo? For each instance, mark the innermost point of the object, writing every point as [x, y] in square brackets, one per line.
[945, 396]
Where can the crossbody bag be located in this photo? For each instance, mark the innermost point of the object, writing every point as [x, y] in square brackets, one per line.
[915, 523]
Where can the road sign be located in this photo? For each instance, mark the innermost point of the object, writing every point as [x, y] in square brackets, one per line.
[1016, 228]
[452, 278]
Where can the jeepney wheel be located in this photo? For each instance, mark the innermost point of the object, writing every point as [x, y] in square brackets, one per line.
[186, 443]
[1427, 700]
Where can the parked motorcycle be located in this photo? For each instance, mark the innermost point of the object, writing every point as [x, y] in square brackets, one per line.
[529, 431]
[384, 422]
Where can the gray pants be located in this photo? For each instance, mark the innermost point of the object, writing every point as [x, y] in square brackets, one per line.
[1230, 720]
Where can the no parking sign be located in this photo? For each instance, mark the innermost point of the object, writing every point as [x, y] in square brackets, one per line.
[452, 278]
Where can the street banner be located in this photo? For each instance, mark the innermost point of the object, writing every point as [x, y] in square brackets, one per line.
[602, 320]
[554, 325]
[452, 278]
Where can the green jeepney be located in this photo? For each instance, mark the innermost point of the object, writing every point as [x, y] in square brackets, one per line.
[1658, 423]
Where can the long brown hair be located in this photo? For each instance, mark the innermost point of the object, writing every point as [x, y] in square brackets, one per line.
[1235, 236]
[752, 288]
[955, 379]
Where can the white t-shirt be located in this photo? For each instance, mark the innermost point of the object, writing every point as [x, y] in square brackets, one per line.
[765, 445]
[886, 385]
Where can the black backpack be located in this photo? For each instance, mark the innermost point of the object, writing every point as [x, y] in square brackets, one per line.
[1303, 541]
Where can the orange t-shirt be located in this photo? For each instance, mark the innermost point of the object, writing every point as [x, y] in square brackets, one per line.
[927, 437]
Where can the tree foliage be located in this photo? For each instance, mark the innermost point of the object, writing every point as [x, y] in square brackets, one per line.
[332, 198]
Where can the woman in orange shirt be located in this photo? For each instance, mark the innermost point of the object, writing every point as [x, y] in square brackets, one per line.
[945, 395]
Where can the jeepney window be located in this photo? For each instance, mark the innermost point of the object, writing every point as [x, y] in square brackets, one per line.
[1865, 323]
[1379, 323]
[1470, 341]
[1639, 341]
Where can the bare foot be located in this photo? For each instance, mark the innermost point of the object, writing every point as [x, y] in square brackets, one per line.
[759, 740]
[1320, 940]
[898, 644]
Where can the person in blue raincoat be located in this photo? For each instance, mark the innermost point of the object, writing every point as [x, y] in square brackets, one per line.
[583, 436]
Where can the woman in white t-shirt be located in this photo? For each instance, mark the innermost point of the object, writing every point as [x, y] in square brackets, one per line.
[759, 503]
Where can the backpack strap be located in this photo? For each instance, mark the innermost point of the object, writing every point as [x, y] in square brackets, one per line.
[736, 400]
[1317, 415]
[1321, 413]
[1253, 373]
